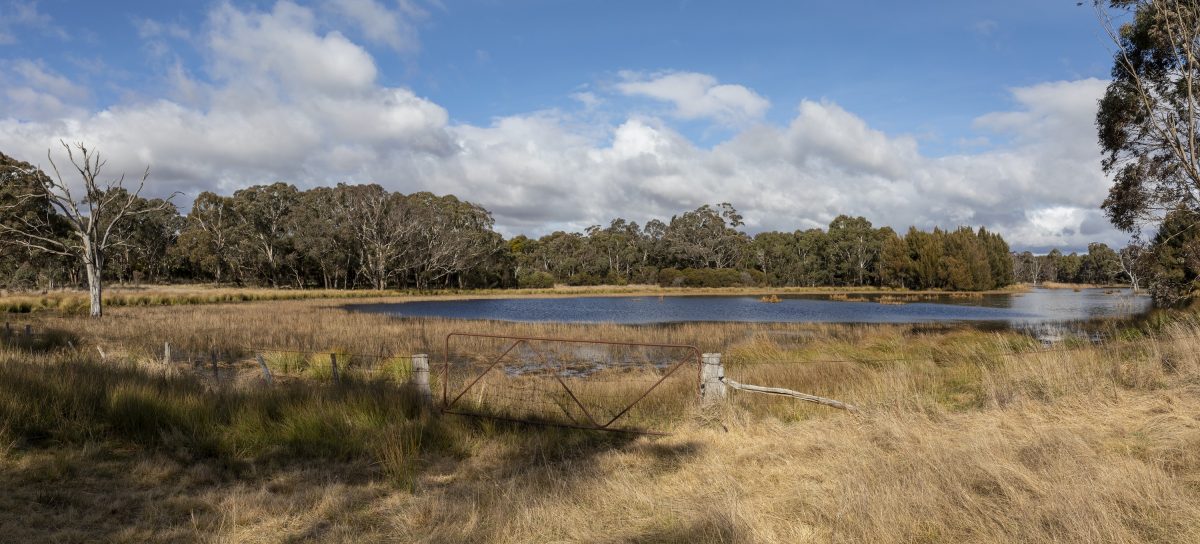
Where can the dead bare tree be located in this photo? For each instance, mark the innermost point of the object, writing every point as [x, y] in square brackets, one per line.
[93, 219]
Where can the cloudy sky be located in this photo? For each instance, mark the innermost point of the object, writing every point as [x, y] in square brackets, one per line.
[560, 114]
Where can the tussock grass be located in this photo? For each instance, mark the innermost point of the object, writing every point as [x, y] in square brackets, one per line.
[74, 302]
[967, 436]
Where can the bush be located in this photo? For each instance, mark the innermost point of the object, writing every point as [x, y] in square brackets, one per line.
[535, 280]
[710, 277]
[585, 279]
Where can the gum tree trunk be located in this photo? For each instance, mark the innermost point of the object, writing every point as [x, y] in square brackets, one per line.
[95, 288]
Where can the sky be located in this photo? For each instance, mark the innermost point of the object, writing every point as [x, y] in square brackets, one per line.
[560, 114]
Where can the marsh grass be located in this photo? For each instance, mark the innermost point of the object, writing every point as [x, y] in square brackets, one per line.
[966, 435]
[73, 302]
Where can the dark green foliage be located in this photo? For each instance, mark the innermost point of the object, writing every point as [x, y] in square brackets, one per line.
[536, 279]
[710, 277]
[1174, 259]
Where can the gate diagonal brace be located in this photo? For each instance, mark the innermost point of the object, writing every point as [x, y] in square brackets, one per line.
[559, 369]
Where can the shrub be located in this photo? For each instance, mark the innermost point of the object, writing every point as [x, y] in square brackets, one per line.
[710, 277]
[536, 279]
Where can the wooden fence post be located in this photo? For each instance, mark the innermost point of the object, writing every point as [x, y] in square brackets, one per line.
[266, 371]
[712, 389]
[7, 330]
[167, 353]
[28, 331]
[333, 368]
[420, 378]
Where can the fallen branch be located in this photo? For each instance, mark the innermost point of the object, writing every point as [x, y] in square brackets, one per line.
[789, 393]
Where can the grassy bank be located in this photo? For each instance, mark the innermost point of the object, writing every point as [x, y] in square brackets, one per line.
[73, 302]
[967, 435]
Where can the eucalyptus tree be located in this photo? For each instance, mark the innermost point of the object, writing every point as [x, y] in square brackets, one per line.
[452, 237]
[208, 235]
[378, 229]
[1149, 117]
[21, 265]
[812, 250]
[263, 216]
[146, 253]
[706, 237]
[1100, 265]
[854, 248]
[774, 253]
[93, 214]
[1133, 263]
[1149, 125]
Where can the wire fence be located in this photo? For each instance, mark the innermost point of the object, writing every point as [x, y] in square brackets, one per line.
[592, 384]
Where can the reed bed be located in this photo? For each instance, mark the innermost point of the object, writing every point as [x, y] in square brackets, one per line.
[75, 302]
[965, 435]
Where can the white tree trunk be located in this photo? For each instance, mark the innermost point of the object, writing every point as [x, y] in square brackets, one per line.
[94, 284]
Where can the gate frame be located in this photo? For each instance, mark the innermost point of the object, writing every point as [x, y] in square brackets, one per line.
[694, 356]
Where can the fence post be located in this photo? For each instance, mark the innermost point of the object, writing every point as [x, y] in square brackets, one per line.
[7, 330]
[333, 368]
[266, 371]
[712, 389]
[28, 331]
[420, 378]
[167, 353]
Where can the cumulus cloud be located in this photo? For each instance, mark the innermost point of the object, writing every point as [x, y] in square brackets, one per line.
[697, 96]
[382, 24]
[283, 98]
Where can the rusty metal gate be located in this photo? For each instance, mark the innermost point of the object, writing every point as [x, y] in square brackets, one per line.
[578, 383]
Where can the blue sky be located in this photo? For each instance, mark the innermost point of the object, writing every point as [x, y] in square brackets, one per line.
[560, 114]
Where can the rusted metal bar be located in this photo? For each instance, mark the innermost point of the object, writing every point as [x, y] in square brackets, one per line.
[647, 392]
[481, 374]
[558, 378]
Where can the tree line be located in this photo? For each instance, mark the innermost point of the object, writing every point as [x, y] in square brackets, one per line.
[703, 247]
[363, 236]
[1101, 265]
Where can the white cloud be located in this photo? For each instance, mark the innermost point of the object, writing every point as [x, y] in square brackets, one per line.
[284, 45]
[697, 96]
[380, 24]
[17, 14]
[35, 92]
[285, 100]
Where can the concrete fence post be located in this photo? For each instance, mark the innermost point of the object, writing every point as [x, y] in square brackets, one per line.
[712, 389]
[420, 378]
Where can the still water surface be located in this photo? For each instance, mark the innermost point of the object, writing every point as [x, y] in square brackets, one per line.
[1037, 306]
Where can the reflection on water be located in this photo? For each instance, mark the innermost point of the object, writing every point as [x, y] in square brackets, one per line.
[1038, 308]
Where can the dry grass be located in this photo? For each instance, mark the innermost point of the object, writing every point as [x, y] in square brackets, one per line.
[75, 302]
[968, 436]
